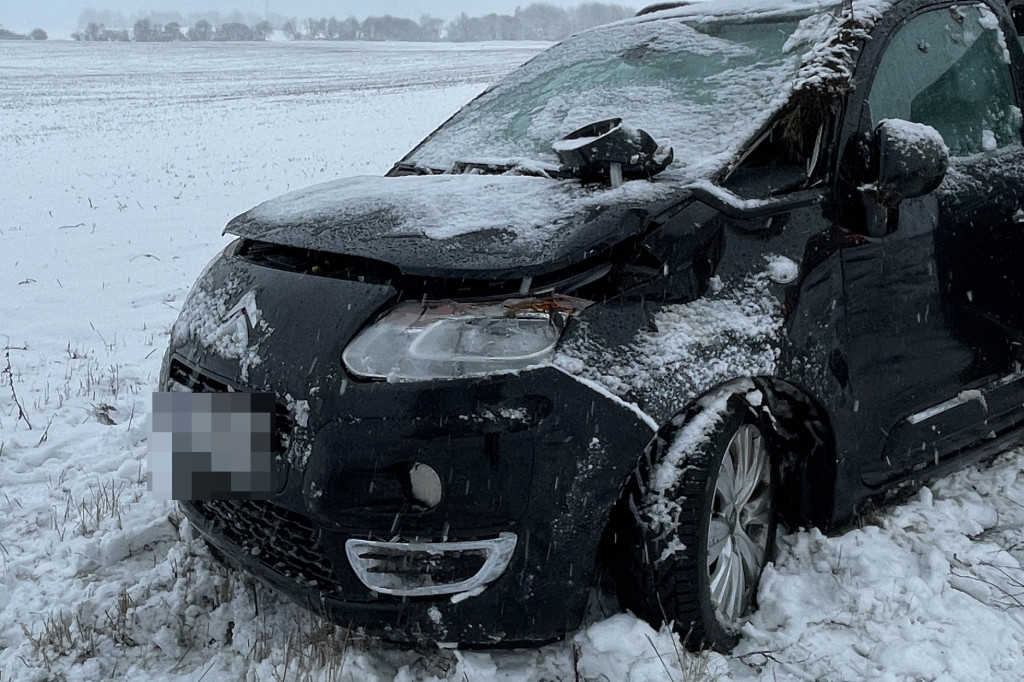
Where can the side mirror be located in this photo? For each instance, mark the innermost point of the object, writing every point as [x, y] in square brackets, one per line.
[911, 160]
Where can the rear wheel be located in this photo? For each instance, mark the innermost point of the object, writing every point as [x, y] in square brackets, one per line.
[695, 547]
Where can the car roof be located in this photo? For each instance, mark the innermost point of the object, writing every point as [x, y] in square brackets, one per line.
[707, 9]
[661, 6]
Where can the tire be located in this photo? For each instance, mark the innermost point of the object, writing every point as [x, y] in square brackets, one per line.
[692, 553]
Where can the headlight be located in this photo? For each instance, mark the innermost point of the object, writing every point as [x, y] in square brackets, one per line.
[445, 339]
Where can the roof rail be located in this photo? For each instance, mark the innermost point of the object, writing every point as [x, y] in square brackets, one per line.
[660, 6]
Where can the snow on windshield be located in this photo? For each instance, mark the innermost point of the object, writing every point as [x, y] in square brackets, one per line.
[703, 85]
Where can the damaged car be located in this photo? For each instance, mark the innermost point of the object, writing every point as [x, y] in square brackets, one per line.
[670, 285]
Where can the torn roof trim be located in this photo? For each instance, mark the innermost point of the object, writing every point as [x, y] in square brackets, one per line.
[828, 67]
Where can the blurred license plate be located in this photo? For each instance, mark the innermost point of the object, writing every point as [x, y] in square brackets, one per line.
[212, 446]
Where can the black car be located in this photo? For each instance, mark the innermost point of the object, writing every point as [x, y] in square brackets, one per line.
[672, 282]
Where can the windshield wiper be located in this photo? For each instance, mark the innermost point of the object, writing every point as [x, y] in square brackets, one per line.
[504, 167]
[510, 167]
[413, 169]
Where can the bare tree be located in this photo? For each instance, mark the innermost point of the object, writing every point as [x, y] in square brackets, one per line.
[261, 30]
[172, 32]
[233, 31]
[430, 27]
[541, 21]
[201, 31]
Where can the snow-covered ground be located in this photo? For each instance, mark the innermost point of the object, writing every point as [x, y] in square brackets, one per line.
[119, 165]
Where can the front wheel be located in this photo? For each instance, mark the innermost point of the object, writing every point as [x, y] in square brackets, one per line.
[700, 526]
[741, 526]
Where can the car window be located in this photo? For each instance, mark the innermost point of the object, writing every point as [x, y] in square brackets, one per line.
[950, 69]
[1017, 12]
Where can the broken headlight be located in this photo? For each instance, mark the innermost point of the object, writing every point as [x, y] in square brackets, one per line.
[446, 339]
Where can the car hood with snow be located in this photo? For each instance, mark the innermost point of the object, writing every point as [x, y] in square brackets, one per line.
[468, 225]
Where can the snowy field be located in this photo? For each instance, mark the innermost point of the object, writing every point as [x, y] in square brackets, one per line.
[119, 165]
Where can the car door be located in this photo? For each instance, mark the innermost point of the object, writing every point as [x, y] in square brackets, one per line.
[935, 303]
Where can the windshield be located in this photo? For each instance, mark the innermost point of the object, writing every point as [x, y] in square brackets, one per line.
[704, 86]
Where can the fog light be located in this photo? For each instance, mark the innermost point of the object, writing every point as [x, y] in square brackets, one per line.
[426, 485]
[422, 569]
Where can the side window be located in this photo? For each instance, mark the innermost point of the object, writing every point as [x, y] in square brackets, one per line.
[950, 69]
[1017, 12]
[783, 158]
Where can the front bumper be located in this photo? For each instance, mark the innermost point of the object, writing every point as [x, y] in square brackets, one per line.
[530, 466]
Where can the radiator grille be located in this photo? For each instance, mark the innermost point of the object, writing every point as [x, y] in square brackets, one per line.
[277, 537]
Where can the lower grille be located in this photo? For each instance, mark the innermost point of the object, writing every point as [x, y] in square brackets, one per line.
[281, 539]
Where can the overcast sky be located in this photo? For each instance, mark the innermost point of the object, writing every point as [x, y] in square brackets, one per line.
[61, 16]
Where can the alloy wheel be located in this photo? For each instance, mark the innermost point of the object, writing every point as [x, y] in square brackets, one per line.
[738, 529]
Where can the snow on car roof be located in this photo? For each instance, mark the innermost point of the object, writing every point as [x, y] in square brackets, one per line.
[732, 8]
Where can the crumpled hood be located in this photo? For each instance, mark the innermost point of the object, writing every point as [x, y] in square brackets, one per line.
[486, 226]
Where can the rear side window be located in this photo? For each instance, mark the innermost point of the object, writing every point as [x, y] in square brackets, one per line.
[950, 69]
[1017, 12]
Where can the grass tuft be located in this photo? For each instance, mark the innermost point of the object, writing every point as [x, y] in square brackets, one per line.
[7, 373]
[692, 667]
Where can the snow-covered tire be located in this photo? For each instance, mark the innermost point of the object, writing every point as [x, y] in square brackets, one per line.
[692, 552]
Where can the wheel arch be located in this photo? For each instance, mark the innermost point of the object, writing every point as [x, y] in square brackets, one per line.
[802, 436]
[805, 440]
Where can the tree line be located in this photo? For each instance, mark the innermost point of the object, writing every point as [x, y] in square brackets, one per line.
[538, 21]
[35, 34]
[146, 31]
